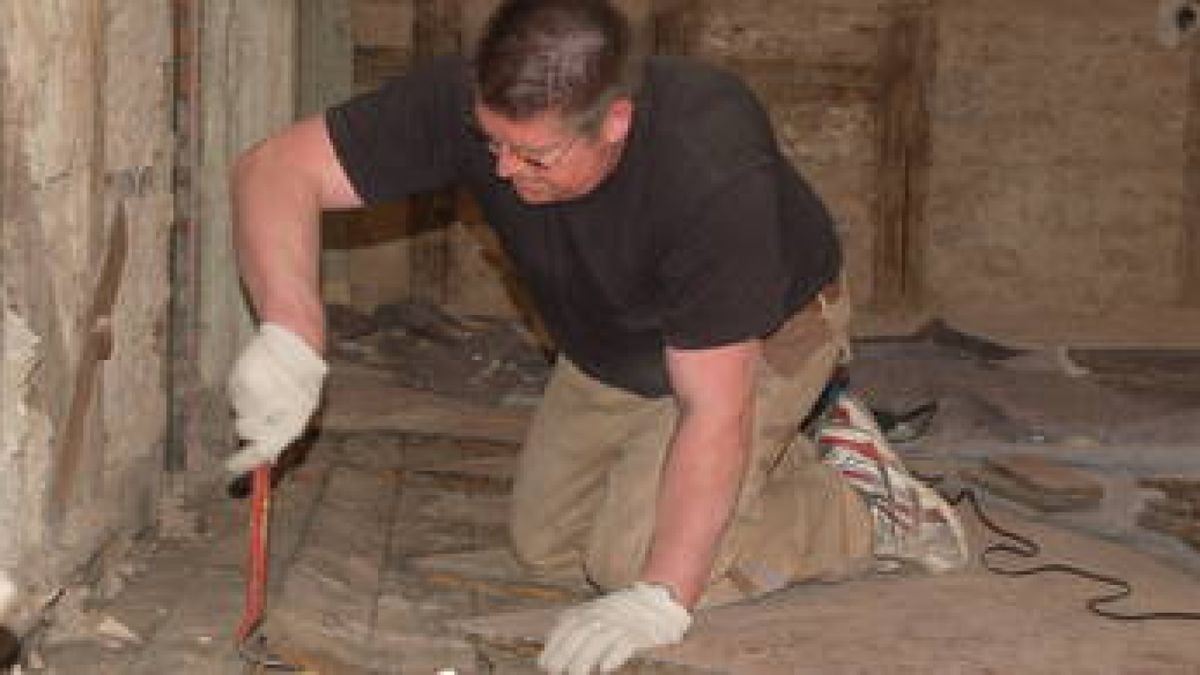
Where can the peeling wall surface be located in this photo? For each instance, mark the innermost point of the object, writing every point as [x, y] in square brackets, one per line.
[86, 136]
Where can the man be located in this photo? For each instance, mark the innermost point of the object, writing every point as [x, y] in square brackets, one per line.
[689, 278]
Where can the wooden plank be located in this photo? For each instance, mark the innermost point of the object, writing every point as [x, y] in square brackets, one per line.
[478, 475]
[487, 511]
[1047, 475]
[495, 572]
[363, 399]
[1040, 483]
[97, 348]
[1182, 488]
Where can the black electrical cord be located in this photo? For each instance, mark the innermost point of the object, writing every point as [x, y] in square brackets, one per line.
[1024, 547]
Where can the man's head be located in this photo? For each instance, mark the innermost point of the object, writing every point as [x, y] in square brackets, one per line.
[554, 81]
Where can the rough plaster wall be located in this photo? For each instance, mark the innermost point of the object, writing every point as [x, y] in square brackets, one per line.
[1058, 159]
[138, 157]
[248, 91]
[86, 127]
[24, 442]
[813, 65]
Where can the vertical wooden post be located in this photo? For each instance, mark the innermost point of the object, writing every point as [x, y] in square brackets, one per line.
[673, 26]
[326, 55]
[906, 66]
[437, 28]
[1189, 249]
[183, 446]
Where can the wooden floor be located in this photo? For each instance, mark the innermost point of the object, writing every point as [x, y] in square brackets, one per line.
[388, 557]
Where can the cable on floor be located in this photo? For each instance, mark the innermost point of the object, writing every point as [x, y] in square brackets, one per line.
[1019, 546]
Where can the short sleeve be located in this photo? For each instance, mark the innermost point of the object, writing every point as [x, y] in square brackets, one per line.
[724, 276]
[405, 137]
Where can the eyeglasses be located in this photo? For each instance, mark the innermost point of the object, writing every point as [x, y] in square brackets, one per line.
[537, 159]
[542, 159]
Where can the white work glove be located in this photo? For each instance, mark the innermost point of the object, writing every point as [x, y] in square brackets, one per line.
[601, 635]
[274, 387]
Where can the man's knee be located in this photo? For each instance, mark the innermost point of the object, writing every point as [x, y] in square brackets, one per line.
[614, 562]
[541, 551]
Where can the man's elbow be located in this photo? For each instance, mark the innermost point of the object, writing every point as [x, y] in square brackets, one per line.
[255, 160]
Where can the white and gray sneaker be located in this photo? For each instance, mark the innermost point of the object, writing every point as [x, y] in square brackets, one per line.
[913, 523]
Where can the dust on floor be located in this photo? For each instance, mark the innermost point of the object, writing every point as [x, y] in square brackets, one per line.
[388, 536]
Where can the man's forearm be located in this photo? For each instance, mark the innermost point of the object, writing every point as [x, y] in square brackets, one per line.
[700, 484]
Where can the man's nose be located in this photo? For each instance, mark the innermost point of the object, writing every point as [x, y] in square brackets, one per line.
[508, 163]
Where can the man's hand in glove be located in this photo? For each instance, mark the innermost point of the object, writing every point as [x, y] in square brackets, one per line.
[601, 635]
[275, 386]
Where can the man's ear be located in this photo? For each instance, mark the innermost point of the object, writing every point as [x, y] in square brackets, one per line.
[618, 120]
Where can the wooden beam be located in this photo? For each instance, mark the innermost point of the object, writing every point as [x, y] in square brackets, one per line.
[907, 60]
[71, 443]
[674, 27]
[1189, 249]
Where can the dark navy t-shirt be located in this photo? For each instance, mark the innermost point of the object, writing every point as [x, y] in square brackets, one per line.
[703, 235]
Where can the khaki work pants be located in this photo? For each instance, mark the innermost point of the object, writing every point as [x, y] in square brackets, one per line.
[588, 477]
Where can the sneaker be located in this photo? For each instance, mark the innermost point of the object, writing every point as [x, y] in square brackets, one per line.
[896, 427]
[848, 410]
[913, 523]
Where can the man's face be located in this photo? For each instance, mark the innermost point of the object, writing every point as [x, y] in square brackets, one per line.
[545, 161]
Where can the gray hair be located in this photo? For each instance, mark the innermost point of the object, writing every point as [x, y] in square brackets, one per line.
[574, 56]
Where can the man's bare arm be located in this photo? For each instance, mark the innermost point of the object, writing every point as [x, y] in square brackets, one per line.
[279, 188]
[705, 463]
